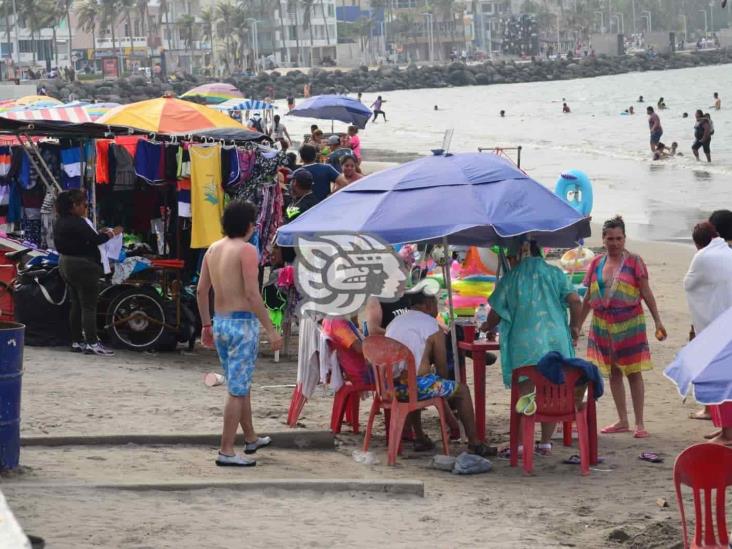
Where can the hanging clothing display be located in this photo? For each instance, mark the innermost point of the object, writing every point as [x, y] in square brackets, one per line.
[102, 165]
[150, 161]
[207, 195]
[184, 197]
[71, 168]
[124, 168]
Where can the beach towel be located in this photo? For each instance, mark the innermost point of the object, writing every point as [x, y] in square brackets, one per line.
[207, 195]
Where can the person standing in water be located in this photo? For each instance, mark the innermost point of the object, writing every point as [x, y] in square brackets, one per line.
[654, 124]
[702, 136]
[717, 102]
[565, 108]
[376, 107]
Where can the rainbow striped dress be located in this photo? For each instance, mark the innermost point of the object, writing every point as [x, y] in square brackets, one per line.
[618, 331]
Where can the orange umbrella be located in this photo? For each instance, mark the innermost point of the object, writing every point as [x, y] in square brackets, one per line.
[167, 115]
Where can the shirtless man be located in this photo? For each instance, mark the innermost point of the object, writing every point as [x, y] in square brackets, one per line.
[654, 124]
[231, 267]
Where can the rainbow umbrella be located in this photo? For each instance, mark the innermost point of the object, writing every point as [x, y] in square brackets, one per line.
[95, 110]
[42, 100]
[215, 93]
[167, 115]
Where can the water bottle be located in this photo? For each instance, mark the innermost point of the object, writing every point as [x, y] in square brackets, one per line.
[481, 316]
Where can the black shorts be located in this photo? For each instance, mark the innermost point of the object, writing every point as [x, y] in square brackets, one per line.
[704, 145]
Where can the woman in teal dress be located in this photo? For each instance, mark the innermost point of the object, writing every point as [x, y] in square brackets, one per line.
[529, 305]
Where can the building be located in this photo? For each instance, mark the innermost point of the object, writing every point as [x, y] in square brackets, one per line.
[305, 38]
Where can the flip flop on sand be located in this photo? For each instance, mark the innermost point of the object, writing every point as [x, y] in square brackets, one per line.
[576, 460]
[650, 457]
[701, 414]
[641, 433]
[613, 430]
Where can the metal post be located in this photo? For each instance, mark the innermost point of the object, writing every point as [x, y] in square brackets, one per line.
[453, 332]
[635, 27]
[17, 40]
[711, 17]
[706, 27]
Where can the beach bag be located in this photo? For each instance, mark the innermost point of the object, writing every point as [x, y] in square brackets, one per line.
[42, 304]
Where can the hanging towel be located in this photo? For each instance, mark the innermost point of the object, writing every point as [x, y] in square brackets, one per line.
[184, 197]
[71, 168]
[207, 195]
[5, 159]
[102, 167]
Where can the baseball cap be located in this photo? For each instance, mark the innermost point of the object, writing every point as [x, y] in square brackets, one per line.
[334, 140]
[426, 286]
[302, 176]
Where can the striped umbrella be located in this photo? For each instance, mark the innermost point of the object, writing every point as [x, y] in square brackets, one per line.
[247, 105]
[95, 110]
[167, 115]
[62, 114]
[215, 93]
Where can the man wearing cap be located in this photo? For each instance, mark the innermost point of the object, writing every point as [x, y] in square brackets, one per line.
[323, 174]
[340, 149]
[419, 331]
[301, 191]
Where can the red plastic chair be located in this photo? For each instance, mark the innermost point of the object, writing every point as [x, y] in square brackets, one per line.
[554, 404]
[347, 403]
[385, 354]
[705, 467]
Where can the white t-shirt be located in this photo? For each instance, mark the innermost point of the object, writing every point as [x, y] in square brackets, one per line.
[708, 283]
[412, 329]
[278, 131]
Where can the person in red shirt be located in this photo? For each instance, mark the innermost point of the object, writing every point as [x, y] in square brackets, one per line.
[346, 340]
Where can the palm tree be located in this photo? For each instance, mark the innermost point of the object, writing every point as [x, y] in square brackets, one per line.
[307, 22]
[186, 24]
[143, 14]
[285, 51]
[109, 19]
[325, 22]
[292, 7]
[208, 21]
[241, 32]
[88, 13]
[36, 15]
[225, 12]
[126, 6]
[362, 29]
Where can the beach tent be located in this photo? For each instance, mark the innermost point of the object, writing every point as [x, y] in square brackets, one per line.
[61, 113]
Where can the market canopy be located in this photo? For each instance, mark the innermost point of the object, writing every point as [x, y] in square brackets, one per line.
[467, 198]
[215, 93]
[168, 115]
[61, 113]
[49, 128]
[232, 134]
[96, 110]
[334, 107]
[243, 105]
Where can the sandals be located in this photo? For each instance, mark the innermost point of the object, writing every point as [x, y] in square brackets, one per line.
[650, 457]
[526, 405]
[424, 444]
[614, 429]
[641, 433]
[483, 450]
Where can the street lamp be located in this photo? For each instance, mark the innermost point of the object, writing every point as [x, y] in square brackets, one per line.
[706, 27]
[635, 27]
[430, 37]
[602, 20]
[711, 17]
[650, 21]
[685, 26]
[255, 41]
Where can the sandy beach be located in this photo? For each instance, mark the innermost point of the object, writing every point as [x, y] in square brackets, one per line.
[65, 394]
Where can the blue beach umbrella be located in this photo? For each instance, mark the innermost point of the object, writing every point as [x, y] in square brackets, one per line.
[334, 107]
[463, 199]
[705, 364]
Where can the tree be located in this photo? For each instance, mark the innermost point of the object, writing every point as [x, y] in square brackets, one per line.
[109, 18]
[225, 28]
[208, 21]
[185, 25]
[292, 7]
[325, 23]
[307, 22]
[36, 15]
[126, 6]
[88, 13]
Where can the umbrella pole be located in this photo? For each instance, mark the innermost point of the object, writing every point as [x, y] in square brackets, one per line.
[453, 333]
[332, 130]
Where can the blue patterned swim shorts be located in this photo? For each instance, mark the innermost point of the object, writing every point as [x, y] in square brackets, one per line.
[429, 386]
[236, 336]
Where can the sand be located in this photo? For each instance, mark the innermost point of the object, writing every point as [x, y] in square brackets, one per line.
[66, 394]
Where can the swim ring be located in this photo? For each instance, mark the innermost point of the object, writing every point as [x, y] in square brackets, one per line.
[575, 189]
[466, 305]
[577, 259]
[473, 289]
[489, 258]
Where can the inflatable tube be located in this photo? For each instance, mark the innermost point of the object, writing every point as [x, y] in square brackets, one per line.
[438, 277]
[489, 258]
[466, 305]
[573, 261]
[474, 265]
[481, 278]
[473, 289]
[578, 277]
[575, 189]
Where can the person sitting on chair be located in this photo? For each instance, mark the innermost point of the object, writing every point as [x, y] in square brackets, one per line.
[419, 331]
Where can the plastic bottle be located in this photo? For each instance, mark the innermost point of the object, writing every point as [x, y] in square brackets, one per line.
[481, 316]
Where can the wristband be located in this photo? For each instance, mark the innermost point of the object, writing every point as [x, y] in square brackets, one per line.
[206, 326]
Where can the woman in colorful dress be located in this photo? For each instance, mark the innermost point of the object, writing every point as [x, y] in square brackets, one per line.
[617, 282]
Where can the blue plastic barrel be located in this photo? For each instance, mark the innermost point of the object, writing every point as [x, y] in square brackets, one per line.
[12, 336]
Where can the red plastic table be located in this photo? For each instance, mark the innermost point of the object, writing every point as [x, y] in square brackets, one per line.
[479, 349]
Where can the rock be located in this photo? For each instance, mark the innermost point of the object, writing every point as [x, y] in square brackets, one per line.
[618, 536]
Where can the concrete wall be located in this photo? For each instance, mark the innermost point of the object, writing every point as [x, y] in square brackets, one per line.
[660, 41]
[606, 44]
[725, 37]
[11, 91]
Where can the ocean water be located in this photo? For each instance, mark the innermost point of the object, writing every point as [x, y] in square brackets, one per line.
[659, 200]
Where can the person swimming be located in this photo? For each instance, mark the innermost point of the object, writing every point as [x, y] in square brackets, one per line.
[502, 113]
[436, 108]
[640, 99]
[685, 115]
[661, 103]
[565, 108]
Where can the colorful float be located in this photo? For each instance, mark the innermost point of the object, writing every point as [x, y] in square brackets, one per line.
[575, 188]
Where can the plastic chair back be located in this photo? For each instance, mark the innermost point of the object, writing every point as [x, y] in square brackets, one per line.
[385, 355]
[706, 468]
[551, 400]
